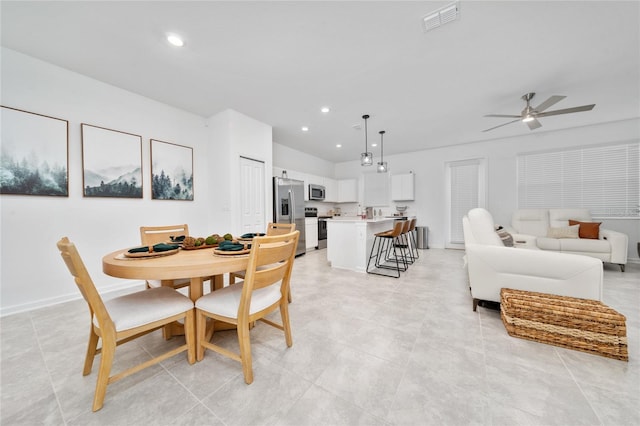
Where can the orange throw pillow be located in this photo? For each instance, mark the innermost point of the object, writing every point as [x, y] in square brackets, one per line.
[589, 230]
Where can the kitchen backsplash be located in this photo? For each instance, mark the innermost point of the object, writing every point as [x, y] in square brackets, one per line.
[354, 209]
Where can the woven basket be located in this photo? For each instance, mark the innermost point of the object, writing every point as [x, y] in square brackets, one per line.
[580, 324]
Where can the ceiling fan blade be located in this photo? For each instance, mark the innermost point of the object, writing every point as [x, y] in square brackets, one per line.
[566, 110]
[551, 101]
[504, 124]
[503, 115]
[533, 124]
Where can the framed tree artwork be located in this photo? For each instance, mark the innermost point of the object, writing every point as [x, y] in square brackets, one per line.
[111, 163]
[35, 154]
[171, 171]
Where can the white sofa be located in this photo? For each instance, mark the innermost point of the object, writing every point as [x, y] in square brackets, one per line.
[530, 226]
[492, 266]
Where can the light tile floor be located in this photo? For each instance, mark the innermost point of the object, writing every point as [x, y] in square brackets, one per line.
[368, 350]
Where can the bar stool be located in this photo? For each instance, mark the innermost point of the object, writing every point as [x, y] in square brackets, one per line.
[414, 241]
[385, 241]
[404, 244]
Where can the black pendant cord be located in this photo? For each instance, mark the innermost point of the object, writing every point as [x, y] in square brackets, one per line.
[366, 142]
[382, 132]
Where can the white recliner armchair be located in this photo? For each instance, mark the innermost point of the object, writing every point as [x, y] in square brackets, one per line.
[492, 266]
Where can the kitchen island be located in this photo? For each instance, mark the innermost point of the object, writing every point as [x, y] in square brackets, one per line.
[349, 240]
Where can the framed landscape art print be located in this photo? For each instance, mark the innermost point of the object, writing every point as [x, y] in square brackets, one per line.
[111, 163]
[35, 154]
[171, 171]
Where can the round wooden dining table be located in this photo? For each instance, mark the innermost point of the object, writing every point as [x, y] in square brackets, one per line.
[197, 265]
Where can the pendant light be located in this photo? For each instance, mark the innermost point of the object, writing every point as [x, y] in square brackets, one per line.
[366, 158]
[382, 165]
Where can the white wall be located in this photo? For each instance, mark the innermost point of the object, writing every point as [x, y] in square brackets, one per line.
[32, 273]
[292, 159]
[429, 168]
[233, 135]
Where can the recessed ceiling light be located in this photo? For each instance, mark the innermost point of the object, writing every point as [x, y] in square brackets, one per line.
[325, 109]
[175, 40]
[305, 129]
[338, 146]
[374, 144]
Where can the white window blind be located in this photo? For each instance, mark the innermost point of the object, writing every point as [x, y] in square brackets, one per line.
[464, 195]
[604, 179]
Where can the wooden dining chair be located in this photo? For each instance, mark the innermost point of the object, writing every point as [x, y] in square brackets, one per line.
[264, 290]
[125, 318]
[273, 228]
[151, 235]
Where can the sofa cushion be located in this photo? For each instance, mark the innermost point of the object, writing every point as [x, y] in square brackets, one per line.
[564, 232]
[545, 243]
[589, 230]
[507, 238]
[531, 221]
[585, 245]
[560, 217]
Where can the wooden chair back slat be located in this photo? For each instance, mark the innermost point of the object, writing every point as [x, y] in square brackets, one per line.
[277, 253]
[151, 235]
[280, 228]
[85, 284]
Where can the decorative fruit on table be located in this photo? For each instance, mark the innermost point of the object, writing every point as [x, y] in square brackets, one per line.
[212, 240]
[189, 242]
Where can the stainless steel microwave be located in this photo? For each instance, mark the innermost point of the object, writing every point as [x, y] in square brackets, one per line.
[316, 192]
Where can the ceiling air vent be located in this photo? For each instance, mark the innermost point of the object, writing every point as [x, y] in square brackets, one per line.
[441, 16]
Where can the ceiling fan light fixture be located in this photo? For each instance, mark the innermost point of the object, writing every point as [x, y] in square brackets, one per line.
[528, 118]
[366, 158]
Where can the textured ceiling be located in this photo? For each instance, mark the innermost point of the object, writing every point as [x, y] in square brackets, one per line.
[279, 62]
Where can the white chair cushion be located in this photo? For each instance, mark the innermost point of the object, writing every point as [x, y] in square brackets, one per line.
[226, 301]
[144, 307]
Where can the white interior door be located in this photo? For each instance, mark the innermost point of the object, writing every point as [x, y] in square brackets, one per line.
[466, 189]
[252, 190]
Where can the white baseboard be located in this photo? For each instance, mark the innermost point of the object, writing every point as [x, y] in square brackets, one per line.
[107, 292]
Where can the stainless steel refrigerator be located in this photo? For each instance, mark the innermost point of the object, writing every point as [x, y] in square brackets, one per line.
[288, 206]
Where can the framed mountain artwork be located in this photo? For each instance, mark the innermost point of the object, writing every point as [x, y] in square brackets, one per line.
[111, 163]
[171, 171]
[35, 154]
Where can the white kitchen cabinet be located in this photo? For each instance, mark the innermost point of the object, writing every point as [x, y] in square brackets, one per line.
[402, 187]
[311, 232]
[348, 190]
[331, 190]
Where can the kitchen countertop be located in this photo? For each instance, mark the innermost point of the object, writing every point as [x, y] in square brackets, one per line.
[357, 219]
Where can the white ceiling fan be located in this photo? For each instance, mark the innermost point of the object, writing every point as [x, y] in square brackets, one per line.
[530, 115]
